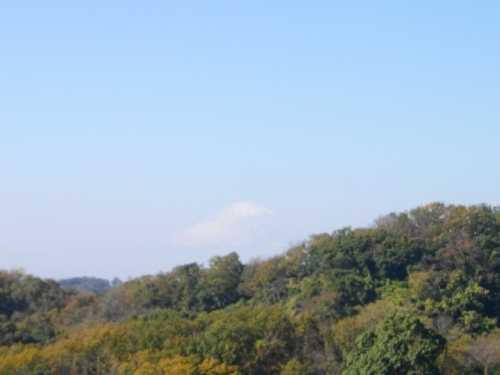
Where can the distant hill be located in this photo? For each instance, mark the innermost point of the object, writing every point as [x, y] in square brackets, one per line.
[86, 284]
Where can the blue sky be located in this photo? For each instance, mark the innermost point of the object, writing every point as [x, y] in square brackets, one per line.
[123, 122]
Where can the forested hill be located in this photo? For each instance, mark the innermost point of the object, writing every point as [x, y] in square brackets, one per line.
[86, 284]
[416, 293]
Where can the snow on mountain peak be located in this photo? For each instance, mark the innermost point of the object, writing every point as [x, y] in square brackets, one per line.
[240, 226]
[244, 209]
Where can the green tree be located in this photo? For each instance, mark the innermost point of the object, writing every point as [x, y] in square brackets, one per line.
[399, 345]
[295, 367]
[220, 284]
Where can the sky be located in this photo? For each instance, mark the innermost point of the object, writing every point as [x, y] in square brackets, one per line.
[122, 123]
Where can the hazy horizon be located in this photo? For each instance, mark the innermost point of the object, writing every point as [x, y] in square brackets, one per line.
[125, 123]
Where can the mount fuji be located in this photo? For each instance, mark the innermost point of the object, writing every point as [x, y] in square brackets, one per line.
[250, 229]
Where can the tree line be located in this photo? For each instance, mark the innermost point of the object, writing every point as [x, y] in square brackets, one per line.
[418, 292]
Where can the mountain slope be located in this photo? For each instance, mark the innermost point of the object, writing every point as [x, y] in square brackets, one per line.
[250, 229]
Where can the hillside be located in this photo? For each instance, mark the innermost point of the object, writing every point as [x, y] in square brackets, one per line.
[418, 292]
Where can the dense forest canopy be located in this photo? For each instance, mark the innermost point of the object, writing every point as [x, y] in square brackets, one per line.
[416, 293]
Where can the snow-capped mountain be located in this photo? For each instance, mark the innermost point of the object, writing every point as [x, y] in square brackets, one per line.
[250, 229]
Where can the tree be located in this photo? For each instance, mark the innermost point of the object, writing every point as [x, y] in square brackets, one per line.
[399, 345]
[220, 284]
[265, 281]
[295, 367]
